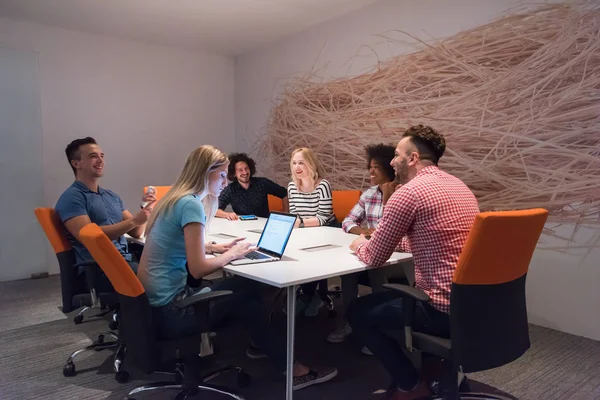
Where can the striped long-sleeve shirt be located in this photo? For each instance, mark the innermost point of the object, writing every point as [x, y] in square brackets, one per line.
[317, 203]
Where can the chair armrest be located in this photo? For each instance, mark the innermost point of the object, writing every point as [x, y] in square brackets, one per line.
[199, 298]
[408, 291]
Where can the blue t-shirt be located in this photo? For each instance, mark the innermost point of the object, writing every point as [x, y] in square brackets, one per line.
[104, 207]
[165, 274]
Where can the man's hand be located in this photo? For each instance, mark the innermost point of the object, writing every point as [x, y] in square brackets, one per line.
[367, 231]
[232, 216]
[357, 242]
[142, 217]
[149, 198]
[223, 247]
[387, 189]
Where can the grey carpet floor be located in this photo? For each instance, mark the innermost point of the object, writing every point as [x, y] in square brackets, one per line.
[36, 338]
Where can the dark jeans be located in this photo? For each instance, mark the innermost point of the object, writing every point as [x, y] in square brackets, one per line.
[97, 278]
[245, 305]
[371, 316]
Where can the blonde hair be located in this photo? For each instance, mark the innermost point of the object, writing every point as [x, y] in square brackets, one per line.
[192, 180]
[315, 171]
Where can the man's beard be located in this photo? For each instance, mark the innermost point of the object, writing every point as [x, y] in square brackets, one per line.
[402, 173]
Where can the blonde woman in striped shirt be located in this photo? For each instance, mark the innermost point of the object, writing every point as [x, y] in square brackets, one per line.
[310, 199]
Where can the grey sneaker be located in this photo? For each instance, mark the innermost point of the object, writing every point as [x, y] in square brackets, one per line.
[365, 350]
[313, 307]
[301, 306]
[340, 334]
[314, 377]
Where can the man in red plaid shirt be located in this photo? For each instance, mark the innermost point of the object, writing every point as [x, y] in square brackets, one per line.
[430, 216]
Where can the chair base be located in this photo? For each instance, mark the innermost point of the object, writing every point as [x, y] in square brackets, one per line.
[188, 389]
[184, 390]
[78, 319]
[69, 368]
[469, 396]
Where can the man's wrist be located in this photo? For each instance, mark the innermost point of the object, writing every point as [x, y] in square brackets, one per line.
[360, 245]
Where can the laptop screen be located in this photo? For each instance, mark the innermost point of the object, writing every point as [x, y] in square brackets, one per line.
[276, 232]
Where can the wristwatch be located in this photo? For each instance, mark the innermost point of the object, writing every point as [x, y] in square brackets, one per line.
[301, 221]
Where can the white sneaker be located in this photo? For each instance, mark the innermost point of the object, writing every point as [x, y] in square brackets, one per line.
[340, 334]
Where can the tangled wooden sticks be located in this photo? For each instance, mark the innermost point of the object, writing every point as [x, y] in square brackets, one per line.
[518, 101]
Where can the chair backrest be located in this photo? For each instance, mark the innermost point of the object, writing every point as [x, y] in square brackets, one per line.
[343, 201]
[73, 290]
[275, 203]
[135, 326]
[160, 191]
[488, 313]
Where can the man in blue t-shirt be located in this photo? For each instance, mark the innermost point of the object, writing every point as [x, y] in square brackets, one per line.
[246, 193]
[85, 202]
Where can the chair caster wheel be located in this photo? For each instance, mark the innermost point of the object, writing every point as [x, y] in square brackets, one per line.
[122, 376]
[244, 380]
[78, 319]
[113, 325]
[69, 369]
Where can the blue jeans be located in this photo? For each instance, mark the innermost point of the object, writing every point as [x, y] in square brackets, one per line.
[373, 315]
[244, 304]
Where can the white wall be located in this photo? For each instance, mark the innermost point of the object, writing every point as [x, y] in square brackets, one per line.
[562, 290]
[148, 106]
[20, 150]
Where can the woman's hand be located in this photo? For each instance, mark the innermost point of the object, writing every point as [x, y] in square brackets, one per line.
[239, 250]
[223, 247]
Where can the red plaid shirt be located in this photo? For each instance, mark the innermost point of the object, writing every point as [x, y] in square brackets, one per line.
[368, 210]
[430, 217]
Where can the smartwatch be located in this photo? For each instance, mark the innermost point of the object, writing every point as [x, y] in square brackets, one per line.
[301, 221]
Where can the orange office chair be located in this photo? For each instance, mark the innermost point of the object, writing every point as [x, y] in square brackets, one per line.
[488, 308]
[160, 191]
[138, 333]
[343, 201]
[74, 290]
[275, 203]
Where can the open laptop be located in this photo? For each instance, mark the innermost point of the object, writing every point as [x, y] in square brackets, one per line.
[273, 240]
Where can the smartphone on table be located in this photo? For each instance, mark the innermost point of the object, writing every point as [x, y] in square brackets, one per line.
[247, 217]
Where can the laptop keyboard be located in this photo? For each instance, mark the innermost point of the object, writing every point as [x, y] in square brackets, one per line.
[255, 255]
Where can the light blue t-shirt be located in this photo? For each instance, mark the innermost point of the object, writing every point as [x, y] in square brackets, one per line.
[165, 275]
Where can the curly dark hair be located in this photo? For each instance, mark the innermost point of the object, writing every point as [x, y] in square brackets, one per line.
[383, 155]
[235, 158]
[72, 150]
[429, 143]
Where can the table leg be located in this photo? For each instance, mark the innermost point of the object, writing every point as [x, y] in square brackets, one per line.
[291, 319]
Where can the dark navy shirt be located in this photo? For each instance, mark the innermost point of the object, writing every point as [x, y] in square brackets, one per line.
[103, 207]
[253, 201]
